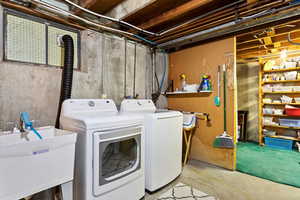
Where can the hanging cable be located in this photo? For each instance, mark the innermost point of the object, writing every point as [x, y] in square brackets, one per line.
[60, 11]
[111, 19]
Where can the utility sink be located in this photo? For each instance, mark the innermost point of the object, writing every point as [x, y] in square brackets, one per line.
[189, 120]
[29, 165]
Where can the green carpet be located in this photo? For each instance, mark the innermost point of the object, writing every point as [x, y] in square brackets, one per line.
[281, 166]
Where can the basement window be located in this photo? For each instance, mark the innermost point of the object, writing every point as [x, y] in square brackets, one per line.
[30, 39]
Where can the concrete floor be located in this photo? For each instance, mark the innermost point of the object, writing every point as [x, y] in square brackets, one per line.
[228, 185]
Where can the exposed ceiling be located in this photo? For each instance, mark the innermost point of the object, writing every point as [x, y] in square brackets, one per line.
[100, 6]
[269, 40]
[174, 19]
[192, 15]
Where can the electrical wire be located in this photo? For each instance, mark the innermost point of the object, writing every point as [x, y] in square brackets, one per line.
[103, 27]
[111, 19]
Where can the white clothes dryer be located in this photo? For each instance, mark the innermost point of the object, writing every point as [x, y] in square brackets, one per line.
[109, 159]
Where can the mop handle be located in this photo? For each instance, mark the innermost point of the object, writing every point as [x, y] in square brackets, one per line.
[224, 97]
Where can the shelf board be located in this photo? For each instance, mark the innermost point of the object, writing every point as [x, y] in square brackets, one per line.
[275, 82]
[282, 127]
[273, 115]
[281, 92]
[284, 137]
[191, 94]
[293, 104]
[282, 70]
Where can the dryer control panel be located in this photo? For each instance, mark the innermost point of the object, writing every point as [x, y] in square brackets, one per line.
[75, 106]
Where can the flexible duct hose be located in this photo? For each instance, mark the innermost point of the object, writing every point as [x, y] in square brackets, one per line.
[67, 74]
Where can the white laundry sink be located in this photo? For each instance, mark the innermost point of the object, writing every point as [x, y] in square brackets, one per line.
[189, 120]
[29, 165]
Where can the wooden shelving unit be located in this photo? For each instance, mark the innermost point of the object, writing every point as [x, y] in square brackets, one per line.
[275, 95]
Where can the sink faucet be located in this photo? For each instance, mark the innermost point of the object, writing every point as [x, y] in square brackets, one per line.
[27, 125]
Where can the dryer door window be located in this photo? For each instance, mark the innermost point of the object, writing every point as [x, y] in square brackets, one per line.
[117, 154]
[118, 157]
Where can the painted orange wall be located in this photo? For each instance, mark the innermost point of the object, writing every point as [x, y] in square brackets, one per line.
[195, 62]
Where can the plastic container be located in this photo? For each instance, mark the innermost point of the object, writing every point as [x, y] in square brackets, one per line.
[292, 111]
[279, 143]
[286, 99]
[268, 111]
[290, 75]
[278, 112]
[290, 64]
[289, 122]
[283, 89]
[205, 84]
[267, 100]
[267, 88]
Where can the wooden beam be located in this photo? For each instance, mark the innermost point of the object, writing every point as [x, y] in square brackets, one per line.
[100, 6]
[251, 1]
[174, 13]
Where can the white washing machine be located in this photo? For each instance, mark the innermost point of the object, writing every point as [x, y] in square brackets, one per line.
[163, 141]
[109, 151]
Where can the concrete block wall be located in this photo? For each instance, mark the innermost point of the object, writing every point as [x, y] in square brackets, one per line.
[109, 65]
[248, 88]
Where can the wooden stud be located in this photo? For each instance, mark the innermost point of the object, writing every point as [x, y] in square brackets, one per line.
[268, 40]
[171, 14]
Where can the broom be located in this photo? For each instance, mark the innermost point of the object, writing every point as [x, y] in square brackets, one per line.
[224, 140]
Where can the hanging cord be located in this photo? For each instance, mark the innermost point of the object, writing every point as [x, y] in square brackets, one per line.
[60, 11]
[290, 40]
[156, 95]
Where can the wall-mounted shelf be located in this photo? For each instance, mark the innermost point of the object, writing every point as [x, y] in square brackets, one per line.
[273, 115]
[282, 70]
[189, 94]
[284, 137]
[284, 81]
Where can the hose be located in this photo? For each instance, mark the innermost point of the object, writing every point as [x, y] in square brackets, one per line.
[67, 74]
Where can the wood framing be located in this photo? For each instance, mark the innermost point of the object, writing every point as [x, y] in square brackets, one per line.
[100, 6]
[176, 12]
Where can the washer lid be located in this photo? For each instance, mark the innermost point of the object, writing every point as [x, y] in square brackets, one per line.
[137, 106]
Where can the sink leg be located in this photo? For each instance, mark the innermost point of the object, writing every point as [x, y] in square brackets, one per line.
[67, 190]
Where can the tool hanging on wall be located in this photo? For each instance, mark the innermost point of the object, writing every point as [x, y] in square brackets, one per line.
[224, 140]
[217, 98]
